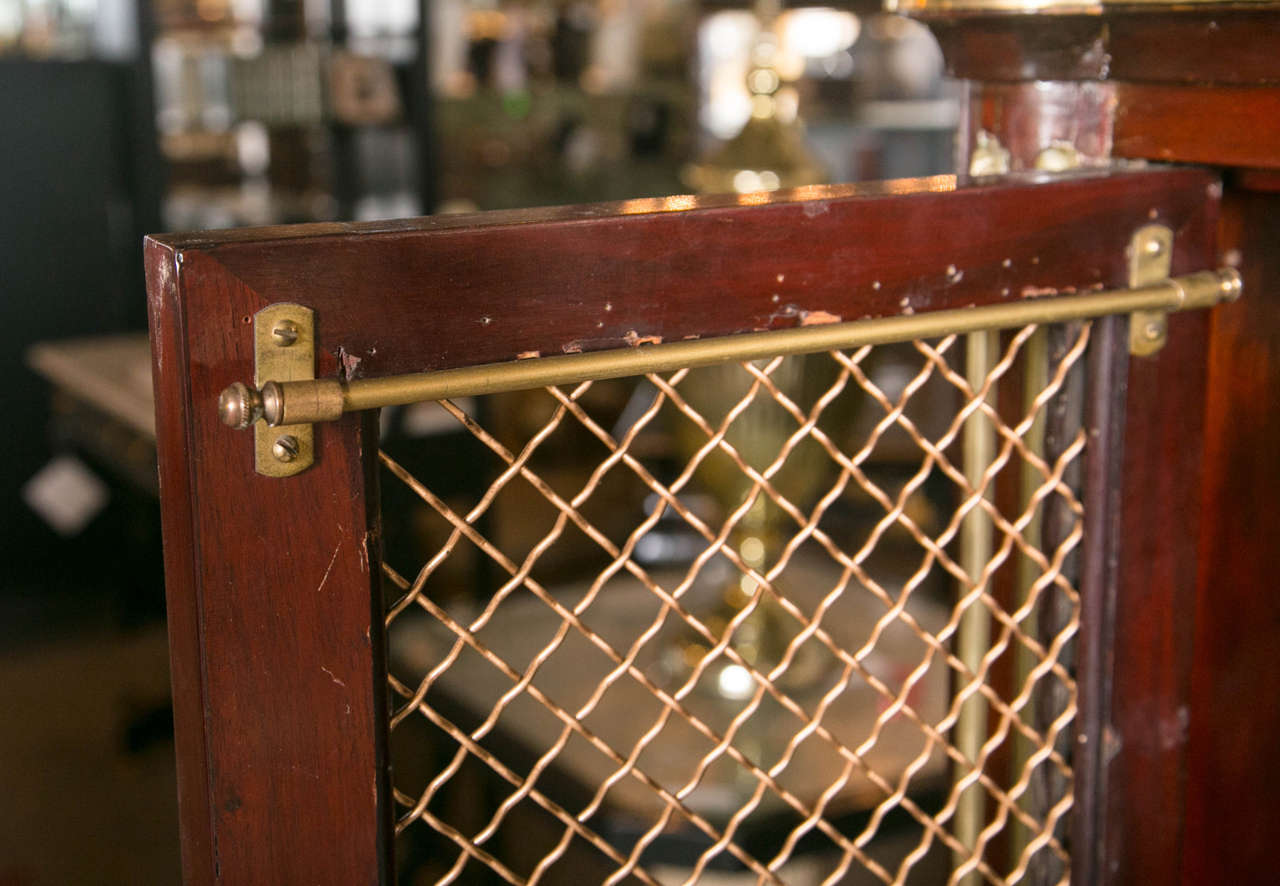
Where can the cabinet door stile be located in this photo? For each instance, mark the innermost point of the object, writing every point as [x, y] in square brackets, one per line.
[275, 608]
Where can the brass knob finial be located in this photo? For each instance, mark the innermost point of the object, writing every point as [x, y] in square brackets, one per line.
[239, 406]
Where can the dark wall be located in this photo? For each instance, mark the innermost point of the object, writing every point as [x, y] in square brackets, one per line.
[70, 257]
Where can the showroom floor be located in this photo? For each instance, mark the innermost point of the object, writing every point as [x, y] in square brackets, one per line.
[86, 751]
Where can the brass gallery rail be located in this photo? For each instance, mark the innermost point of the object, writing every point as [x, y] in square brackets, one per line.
[304, 402]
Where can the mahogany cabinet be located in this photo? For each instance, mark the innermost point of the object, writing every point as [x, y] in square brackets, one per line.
[1148, 514]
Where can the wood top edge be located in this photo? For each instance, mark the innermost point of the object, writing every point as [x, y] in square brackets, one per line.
[912, 187]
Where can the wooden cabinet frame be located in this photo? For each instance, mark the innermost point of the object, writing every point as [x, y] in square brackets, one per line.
[275, 607]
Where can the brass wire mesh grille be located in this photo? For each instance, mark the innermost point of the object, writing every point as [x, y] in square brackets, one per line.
[624, 724]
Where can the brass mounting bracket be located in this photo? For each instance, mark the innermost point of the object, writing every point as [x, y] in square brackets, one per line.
[284, 350]
[1150, 260]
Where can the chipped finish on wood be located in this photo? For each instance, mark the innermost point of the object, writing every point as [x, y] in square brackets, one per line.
[1234, 770]
[1217, 125]
[604, 276]
[274, 610]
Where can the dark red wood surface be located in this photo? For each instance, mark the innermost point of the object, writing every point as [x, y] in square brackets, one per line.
[458, 291]
[1234, 769]
[1221, 46]
[1218, 125]
[1006, 48]
[1143, 491]
[186, 671]
[274, 612]
[1159, 524]
[272, 584]
[1267, 180]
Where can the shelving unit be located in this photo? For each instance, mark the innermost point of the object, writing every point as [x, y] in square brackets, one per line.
[262, 110]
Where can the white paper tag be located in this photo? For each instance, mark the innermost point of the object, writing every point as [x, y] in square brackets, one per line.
[66, 494]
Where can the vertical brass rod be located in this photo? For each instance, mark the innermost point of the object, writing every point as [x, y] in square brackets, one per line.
[974, 635]
[1035, 378]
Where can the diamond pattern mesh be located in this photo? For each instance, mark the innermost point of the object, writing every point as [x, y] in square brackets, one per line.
[708, 626]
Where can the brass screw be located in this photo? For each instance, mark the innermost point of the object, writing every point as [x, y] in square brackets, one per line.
[1154, 246]
[285, 449]
[1153, 331]
[285, 333]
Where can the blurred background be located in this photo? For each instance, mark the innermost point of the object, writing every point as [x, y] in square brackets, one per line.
[124, 117]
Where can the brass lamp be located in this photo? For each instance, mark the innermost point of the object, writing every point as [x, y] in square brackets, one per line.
[768, 153]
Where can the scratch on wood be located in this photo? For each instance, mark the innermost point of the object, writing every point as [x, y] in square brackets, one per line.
[573, 347]
[528, 355]
[332, 560]
[333, 676]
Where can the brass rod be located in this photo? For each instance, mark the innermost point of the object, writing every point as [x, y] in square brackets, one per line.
[982, 351]
[1035, 379]
[327, 399]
